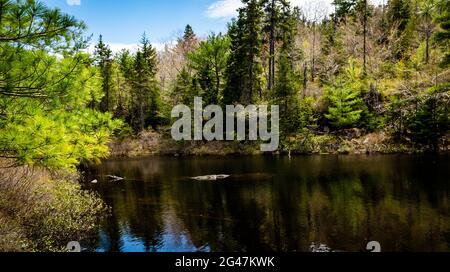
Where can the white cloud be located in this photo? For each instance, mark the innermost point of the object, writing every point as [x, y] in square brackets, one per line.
[132, 47]
[223, 8]
[115, 47]
[73, 2]
[228, 8]
[161, 46]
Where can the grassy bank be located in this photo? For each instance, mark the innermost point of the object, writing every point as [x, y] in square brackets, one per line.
[43, 211]
[346, 142]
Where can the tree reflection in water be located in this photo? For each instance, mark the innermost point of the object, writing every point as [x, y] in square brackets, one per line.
[276, 204]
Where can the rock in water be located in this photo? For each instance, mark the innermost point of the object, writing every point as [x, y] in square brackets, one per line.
[211, 177]
[94, 181]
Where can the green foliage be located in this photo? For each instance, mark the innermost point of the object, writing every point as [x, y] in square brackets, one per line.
[399, 18]
[50, 92]
[343, 8]
[244, 70]
[286, 95]
[186, 88]
[345, 98]
[442, 37]
[70, 213]
[209, 62]
[44, 98]
[59, 140]
[345, 102]
[188, 42]
[399, 13]
[431, 121]
[307, 117]
[188, 33]
[41, 214]
[103, 58]
[145, 93]
[33, 23]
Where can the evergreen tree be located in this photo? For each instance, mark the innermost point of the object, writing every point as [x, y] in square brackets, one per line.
[209, 61]
[273, 14]
[364, 10]
[399, 17]
[188, 42]
[103, 57]
[431, 121]
[346, 105]
[46, 84]
[343, 8]
[399, 12]
[145, 94]
[186, 88]
[124, 72]
[244, 68]
[286, 88]
[442, 37]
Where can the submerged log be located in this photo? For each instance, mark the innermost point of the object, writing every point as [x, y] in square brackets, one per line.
[211, 177]
[114, 178]
[320, 248]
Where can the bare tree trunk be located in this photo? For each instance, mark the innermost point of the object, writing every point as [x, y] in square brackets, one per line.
[272, 48]
[313, 55]
[335, 19]
[365, 36]
[305, 79]
[427, 53]
[141, 113]
[107, 92]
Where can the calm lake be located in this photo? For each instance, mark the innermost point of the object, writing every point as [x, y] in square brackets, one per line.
[275, 204]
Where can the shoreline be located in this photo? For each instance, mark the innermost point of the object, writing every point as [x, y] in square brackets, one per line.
[150, 143]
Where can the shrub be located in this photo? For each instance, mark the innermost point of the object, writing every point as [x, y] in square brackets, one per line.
[41, 214]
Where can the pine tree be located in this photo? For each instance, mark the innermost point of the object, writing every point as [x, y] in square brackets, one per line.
[286, 87]
[273, 14]
[46, 85]
[124, 72]
[244, 68]
[431, 121]
[186, 88]
[343, 8]
[146, 94]
[344, 112]
[346, 105]
[234, 70]
[103, 57]
[188, 42]
[442, 37]
[399, 17]
[365, 11]
[209, 63]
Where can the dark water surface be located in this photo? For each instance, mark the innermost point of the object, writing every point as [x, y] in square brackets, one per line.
[276, 204]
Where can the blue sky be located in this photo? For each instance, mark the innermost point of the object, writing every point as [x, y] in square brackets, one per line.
[122, 22]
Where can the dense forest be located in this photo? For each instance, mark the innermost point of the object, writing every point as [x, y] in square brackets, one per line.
[364, 72]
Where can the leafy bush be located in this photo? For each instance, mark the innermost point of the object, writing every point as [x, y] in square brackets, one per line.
[431, 122]
[39, 214]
